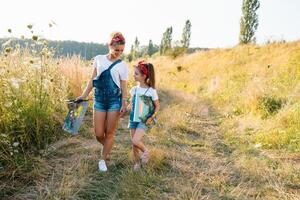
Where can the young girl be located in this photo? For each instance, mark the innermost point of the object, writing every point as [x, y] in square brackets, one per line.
[145, 77]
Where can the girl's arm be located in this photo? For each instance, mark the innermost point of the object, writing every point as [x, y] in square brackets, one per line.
[89, 86]
[157, 106]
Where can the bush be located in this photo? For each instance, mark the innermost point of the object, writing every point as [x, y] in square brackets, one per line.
[269, 105]
[32, 95]
[176, 51]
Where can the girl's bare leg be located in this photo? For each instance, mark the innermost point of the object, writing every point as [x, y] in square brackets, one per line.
[137, 139]
[135, 150]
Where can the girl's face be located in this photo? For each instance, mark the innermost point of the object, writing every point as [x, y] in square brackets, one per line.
[138, 76]
[116, 50]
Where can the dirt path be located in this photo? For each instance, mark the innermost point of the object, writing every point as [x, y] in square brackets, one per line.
[189, 160]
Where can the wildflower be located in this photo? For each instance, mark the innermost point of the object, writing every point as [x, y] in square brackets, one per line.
[15, 83]
[257, 145]
[8, 104]
[7, 43]
[15, 144]
[35, 37]
[7, 49]
[37, 65]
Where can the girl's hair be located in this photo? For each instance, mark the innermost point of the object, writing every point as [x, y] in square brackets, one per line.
[116, 38]
[148, 70]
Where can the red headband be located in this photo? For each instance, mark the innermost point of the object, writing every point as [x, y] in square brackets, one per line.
[143, 67]
[117, 39]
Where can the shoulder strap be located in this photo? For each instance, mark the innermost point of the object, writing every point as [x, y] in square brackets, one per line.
[113, 64]
[147, 90]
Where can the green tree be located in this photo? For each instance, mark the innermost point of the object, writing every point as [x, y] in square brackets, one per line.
[130, 55]
[249, 21]
[166, 41]
[186, 34]
[135, 49]
[151, 49]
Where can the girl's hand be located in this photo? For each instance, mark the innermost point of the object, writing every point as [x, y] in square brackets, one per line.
[149, 120]
[128, 107]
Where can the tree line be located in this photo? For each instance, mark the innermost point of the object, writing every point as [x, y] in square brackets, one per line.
[166, 47]
[248, 26]
[61, 48]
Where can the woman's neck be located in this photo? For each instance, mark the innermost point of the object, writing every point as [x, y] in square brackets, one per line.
[111, 57]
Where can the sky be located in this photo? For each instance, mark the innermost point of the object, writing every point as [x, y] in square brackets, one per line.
[215, 23]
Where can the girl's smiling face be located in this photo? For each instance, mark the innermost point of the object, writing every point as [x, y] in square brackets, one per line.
[138, 76]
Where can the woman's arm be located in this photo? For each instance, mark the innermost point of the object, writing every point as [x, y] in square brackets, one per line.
[89, 86]
[124, 97]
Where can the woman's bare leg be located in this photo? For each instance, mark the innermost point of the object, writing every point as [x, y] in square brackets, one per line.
[111, 125]
[99, 125]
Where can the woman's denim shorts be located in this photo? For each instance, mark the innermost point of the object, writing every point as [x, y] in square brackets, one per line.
[108, 105]
[136, 125]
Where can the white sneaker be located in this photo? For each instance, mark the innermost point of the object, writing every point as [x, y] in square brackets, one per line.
[102, 166]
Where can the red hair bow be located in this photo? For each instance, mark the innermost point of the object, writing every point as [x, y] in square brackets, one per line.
[142, 66]
[117, 39]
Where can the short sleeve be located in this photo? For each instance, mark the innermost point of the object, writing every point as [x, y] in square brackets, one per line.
[95, 61]
[154, 95]
[124, 72]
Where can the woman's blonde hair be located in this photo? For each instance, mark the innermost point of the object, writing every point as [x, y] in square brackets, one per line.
[116, 38]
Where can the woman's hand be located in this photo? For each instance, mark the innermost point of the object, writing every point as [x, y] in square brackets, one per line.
[80, 98]
[122, 111]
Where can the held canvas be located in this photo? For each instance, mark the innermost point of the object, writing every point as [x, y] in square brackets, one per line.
[143, 108]
[75, 116]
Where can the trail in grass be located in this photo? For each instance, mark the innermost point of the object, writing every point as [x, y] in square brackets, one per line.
[189, 160]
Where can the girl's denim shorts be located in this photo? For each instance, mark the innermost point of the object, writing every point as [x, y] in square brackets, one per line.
[108, 105]
[135, 125]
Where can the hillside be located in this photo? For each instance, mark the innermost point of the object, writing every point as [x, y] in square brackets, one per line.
[256, 88]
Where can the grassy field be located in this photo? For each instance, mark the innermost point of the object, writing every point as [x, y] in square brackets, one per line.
[228, 129]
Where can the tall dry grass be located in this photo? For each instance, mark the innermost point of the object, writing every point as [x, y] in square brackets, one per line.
[33, 93]
[257, 83]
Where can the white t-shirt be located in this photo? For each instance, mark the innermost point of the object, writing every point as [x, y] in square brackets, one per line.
[118, 72]
[141, 91]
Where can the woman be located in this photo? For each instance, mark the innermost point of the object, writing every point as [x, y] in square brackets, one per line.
[109, 79]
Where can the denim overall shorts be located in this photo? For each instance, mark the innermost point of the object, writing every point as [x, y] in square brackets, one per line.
[107, 96]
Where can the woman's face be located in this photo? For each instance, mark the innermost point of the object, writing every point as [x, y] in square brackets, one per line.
[116, 50]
